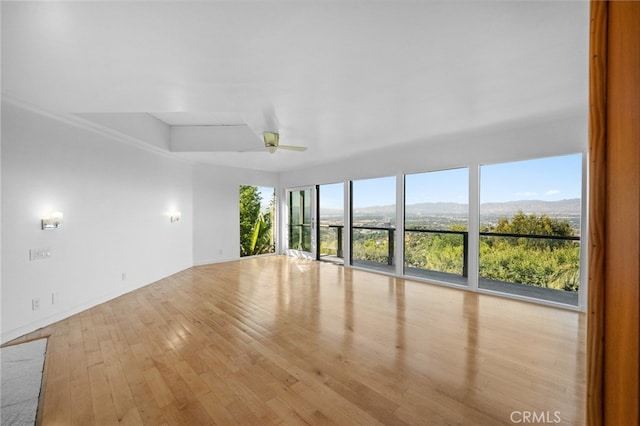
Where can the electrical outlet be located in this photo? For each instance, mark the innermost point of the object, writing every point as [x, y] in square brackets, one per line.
[35, 304]
[40, 253]
[124, 276]
[54, 297]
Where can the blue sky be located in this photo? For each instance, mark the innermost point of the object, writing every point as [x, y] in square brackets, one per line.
[446, 186]
[332, 196]
[266, 193]
[549, 179]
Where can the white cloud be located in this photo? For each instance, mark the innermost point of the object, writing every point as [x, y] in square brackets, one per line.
[552, 192]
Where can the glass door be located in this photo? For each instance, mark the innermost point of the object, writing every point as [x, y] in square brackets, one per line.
[331, 222]
[301, 229]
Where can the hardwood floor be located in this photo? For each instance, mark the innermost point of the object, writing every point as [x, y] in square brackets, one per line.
[277, 340]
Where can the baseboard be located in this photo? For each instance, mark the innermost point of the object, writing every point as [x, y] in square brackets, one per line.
[58, 316]
[216, 260]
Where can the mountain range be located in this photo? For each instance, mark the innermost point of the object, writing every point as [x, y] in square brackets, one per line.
[562, 207]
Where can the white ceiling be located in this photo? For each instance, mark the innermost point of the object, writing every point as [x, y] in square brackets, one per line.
[340, 78]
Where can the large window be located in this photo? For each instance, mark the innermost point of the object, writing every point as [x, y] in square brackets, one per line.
[520, 235]
[530, 228]
[331, 208]
[436, 235]
[373, 209]
[257, 220]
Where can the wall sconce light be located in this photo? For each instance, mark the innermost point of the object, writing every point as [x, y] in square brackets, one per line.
[175, 216]
[54, 221]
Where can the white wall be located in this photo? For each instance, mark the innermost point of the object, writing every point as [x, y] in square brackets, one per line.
[115, 198]
[541, 137]
[216, 196]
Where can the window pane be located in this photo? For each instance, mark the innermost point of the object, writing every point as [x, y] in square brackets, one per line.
[257, 220]
[331, 198]
[300, 220]
[436, 225]
[307, 206]
[374, 220]
[294, 208]
[530, 228]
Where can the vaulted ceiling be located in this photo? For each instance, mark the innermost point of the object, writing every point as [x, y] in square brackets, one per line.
[340, 78]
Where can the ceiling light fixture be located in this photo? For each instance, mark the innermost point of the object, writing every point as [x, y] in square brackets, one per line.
[271, 141]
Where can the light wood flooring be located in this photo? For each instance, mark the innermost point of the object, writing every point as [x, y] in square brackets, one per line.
[278, 340]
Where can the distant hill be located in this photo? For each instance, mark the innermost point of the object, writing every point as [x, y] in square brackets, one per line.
[436, 208]
[561, 207]
[331, 212]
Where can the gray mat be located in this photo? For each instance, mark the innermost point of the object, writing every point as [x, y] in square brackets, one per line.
[21, 376]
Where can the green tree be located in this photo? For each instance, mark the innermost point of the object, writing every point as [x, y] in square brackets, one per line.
[538, 262]
[256, 227]
[532, 224]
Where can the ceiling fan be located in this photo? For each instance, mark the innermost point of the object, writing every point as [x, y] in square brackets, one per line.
[272, 143]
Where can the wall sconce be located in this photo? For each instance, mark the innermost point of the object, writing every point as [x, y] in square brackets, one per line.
[175, 216]
[54, 221]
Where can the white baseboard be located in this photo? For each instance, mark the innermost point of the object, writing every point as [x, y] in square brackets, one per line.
[7, 336]
[58, 316]
[203, 262]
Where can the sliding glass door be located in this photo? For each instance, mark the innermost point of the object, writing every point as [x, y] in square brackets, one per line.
[301, 232]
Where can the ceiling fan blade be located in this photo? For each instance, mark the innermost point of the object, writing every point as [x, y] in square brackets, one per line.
[292, 148]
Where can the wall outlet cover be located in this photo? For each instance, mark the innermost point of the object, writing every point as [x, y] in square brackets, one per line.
[40, 253]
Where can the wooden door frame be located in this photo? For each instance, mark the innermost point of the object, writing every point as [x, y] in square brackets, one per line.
[613, 341]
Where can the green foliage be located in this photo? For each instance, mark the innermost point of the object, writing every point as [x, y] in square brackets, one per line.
[371, 245]
[533, 225]
[249, 212]
[329, 241]
[256, 227]
[544, 263]
[435, 252]
[538, 262]
[514, 260]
